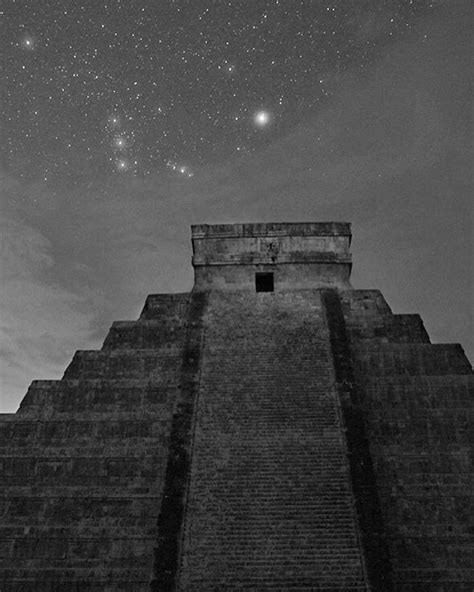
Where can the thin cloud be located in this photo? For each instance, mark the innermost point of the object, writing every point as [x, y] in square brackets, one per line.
[388, 152]
[41, 322]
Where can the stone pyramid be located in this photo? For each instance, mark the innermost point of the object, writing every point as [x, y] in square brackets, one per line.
[273, 429]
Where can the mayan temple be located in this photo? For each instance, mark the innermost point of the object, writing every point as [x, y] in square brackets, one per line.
[273, 429]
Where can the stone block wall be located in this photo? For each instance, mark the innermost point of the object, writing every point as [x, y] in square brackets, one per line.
[306, 439]
[301, 255]
[417, 403]
[83, 461]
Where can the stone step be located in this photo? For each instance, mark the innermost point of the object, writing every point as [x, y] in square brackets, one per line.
[79, 579]
[90, 509]
[281, 536]
[293, 580]
[133, 448]
[66, 433]
[122, 582]
[62, 552]
[163, 336]
[120, 364]
[270, 492]
[457, 578]
[364, 301]
[400, 328]
[410, 359]
[411, 411]
[132, 528]
[76, 398]
[166, 307]
[81, 471]
[420, 392]
[87, 491]
[303, 583]
[95, 448]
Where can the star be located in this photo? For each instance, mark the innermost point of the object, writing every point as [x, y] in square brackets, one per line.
[119, 142]
[122, 165]
[180, 168]
[114, 121]
[262, 118]
[28, 42]
[185, 170]
[100, 92]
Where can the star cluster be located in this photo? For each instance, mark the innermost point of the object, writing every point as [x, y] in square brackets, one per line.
[94, 89]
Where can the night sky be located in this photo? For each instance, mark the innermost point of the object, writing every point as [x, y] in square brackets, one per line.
[125, 121]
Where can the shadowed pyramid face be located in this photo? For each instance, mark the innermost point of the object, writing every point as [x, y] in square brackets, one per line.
[252, 434]
[298, 255]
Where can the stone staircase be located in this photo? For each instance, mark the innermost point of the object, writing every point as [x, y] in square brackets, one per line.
[301, 439]
[412, 394]
[245, 441]
[270, 505]
[83, 461]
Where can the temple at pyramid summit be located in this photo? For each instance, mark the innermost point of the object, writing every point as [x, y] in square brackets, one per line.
[272, 429]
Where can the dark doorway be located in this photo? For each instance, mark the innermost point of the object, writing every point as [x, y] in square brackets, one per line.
[264, 282]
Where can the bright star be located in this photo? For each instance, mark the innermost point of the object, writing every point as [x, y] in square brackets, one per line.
[119, 142]
[28, 42]
[122, 164]
[182, 169]
[113, 121]
[262, 118]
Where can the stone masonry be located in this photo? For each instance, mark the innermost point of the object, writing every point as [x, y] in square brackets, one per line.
[273, 429]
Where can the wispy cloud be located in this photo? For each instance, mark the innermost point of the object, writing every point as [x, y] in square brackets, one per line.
[41, 321]
[389, 152]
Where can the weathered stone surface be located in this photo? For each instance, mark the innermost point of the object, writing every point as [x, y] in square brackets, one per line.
[83, 461]
[300, 256]
[270, 501]
[417, 400]
[304, 438]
